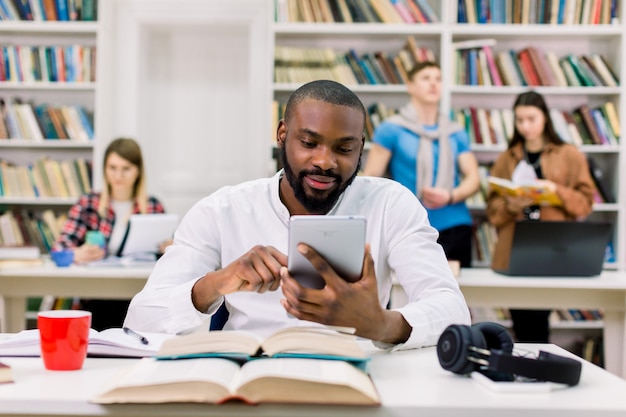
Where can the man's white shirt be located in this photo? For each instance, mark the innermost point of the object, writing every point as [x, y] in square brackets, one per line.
[223, 226]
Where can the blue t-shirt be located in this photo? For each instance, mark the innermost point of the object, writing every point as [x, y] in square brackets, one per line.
[403, 145]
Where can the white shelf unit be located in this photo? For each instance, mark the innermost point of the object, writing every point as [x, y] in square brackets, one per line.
[25, 151]
[608, 40]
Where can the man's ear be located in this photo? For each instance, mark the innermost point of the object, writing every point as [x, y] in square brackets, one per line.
[281, 133]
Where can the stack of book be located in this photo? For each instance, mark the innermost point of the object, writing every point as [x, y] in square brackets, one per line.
[45, 178]
[553, 12]
[301, 65]
[294, 365]
[477, 64]
[584, 125]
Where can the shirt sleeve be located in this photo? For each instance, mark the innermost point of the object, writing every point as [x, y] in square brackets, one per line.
[462, 140]
[386, 135]
[418, 263]
[74, 229]
[164, 305]
[155, 206]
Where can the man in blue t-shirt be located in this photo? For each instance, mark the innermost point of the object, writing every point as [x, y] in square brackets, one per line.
[429, 154]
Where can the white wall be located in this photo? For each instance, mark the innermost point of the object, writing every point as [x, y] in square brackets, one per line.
[190, 80]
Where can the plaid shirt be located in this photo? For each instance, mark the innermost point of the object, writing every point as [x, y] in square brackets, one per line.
[83, 217]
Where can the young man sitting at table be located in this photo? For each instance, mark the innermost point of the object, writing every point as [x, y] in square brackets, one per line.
[230, 247]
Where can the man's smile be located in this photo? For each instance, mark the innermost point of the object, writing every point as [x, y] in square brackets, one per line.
[320, 182]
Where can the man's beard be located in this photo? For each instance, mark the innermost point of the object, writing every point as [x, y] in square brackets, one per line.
[316, 204]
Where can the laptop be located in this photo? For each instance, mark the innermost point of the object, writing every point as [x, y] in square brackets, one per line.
[558, 249]
[146, 231]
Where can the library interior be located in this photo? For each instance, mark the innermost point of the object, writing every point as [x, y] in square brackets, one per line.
[202, 87]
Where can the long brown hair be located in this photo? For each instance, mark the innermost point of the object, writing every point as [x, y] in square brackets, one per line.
[532, 98]
[129, 150]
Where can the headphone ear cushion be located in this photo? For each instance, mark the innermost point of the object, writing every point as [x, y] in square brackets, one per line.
[496, 336]
[453, 348]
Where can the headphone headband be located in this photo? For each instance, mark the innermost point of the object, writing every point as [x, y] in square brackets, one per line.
[547, 367]
[487, 347]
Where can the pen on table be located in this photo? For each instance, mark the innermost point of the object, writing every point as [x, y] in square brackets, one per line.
[133, 333]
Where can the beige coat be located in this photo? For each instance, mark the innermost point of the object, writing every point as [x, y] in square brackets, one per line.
[567, 167]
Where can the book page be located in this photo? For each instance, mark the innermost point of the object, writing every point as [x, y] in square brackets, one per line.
[312, 340]
[114, 342]
[150, 371]
[24, 343]
[160, 381]
[523, 173]
[224, 341]
[305, 381]
[110, 342]
[540, 193]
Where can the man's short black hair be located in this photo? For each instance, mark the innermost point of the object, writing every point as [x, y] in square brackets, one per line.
[327, 91]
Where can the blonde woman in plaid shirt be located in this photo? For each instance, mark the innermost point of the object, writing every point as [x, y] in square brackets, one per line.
[108, 212]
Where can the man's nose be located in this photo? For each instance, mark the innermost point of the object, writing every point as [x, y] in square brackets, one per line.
[324, 158]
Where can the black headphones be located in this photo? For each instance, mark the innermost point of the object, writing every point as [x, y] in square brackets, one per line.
[487, 348]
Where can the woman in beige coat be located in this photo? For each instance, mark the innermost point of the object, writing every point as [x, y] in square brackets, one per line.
[536, 150]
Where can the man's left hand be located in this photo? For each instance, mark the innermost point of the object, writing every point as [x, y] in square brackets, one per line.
[342, 303]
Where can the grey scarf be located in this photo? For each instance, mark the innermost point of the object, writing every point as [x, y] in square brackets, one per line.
[407, 118]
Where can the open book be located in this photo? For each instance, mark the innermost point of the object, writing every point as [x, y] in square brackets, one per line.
[109, 342]
[540, 194]
[217, 380]
[307, 342]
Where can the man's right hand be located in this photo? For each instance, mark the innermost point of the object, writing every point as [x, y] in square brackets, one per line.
[258, 270]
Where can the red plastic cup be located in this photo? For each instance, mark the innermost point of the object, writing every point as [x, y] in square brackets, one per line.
[64, 336]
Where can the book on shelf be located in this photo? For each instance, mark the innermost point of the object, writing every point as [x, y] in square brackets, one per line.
[301, 342]
[540, 193]
[218, 380]
[6, 373]
[473, 43]
[583, 114]
[554, 12]
[600, 181]
[112, 342]
[19, 253]
[6, 264]
[385, 11]
[612, 119]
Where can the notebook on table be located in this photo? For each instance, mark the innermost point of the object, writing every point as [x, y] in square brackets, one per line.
[558, 249]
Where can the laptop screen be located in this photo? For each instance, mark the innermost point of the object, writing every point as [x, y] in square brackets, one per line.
[543, 248]
[146, 231]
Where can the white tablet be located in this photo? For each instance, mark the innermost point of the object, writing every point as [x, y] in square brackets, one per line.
[339, 239]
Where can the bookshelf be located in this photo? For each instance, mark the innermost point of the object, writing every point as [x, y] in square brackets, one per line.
[76, 42]
[574, 38]
[440, 37]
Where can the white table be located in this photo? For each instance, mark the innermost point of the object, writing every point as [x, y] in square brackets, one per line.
[410, 383]
[481, 287]
[484, 288]
[75, 281]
